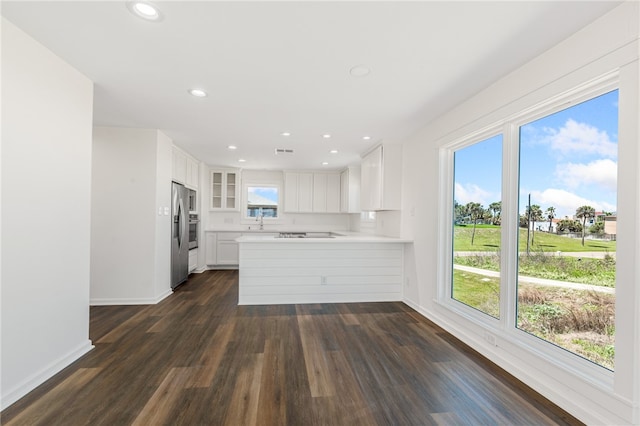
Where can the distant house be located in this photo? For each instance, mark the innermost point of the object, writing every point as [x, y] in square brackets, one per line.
[611, 225]
[258, 205]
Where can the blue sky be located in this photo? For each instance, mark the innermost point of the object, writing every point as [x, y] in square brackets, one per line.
[268, 192]
[567, 160]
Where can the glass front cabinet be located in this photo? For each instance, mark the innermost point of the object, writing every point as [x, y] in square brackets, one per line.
[225, 186]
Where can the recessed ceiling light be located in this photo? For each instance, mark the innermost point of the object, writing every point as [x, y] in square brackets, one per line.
[241, 160]
[324, 163]
[198, 93]
[333, 151]
[145, 10]
[359, 71]
[232, 147]
[326, 136]
[285, 134]
[366, 138]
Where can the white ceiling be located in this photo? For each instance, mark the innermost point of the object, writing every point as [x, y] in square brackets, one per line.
[271, 67]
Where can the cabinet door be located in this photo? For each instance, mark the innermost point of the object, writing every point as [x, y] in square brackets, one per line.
[227, 253]
[305, 192]
[319, 193]
[333, 193]
[216, 190]
[179, 169]
[344, 191]
[231, 192]
[371, 184]
[192, 173]
[211, 243]
[193, 259]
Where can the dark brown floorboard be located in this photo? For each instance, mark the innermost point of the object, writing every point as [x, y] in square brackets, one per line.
[197, 358]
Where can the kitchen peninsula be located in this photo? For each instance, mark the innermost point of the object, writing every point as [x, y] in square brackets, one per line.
[332, 268]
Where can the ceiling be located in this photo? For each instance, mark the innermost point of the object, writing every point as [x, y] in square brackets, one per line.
[274, 67]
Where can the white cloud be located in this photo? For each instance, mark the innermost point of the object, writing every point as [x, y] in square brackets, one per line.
[603, 173]
[473, 193]
[566, 202]
[574, 139]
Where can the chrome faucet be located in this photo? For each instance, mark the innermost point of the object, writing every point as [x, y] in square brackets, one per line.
[261, 216]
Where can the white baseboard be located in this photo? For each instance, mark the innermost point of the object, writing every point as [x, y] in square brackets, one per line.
[35, 380]
[130, 301]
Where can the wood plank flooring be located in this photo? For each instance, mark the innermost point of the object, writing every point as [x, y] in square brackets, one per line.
[197, 358]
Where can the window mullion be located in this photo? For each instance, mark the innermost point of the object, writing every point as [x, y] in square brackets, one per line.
[509, 228]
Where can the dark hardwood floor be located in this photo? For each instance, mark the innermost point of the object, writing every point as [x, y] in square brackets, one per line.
[197, 358]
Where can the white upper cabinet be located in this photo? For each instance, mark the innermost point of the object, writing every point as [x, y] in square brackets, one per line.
[333, 193]
[298, 192]
[179, 166]
[184, 169]
[225, 189]
[308, 192]
[192, 173]
[381, 179]
[350, 190]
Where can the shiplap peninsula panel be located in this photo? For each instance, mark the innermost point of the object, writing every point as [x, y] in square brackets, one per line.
[288, 272]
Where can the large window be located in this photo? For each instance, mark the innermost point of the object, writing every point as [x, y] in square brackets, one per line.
[534, 243]
[567, 232]
[476, 232]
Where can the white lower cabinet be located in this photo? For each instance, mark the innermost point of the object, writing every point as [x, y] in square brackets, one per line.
[222, 247]
[193, 259]
[227, 248]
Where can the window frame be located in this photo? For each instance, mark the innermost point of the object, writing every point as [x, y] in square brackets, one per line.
[506, 326]
[245, 202]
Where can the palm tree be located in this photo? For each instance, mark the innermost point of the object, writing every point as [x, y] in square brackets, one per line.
[584, 213]
[551, 213]
[476, 212]
[495, 208]
[534, 215]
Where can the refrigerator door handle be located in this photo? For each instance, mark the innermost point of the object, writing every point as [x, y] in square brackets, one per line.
[185, 220]
[180, 223]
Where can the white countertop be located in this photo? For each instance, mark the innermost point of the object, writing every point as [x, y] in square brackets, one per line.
[340, 237]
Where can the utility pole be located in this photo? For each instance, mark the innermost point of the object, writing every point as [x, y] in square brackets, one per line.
[528, 223]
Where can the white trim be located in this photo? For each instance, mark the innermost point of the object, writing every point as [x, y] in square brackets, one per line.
[244, 201]
[36, 379]
[130, 301]
[505, 326]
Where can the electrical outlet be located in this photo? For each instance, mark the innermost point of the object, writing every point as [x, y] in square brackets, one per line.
[323, 280]
[491, 339]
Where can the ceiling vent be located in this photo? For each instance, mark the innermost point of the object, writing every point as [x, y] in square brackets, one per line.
[280, 151]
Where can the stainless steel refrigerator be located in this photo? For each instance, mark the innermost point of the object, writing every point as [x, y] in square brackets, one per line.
[179, 234]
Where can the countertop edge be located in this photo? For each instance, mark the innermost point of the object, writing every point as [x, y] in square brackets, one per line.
[337, 239]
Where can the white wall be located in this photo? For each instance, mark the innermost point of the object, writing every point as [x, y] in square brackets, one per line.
[608, 44]
[130, 242]
[163, 223]
[46, 183]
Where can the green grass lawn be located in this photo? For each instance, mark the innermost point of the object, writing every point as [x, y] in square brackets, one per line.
[582, 322]
[487, 238]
